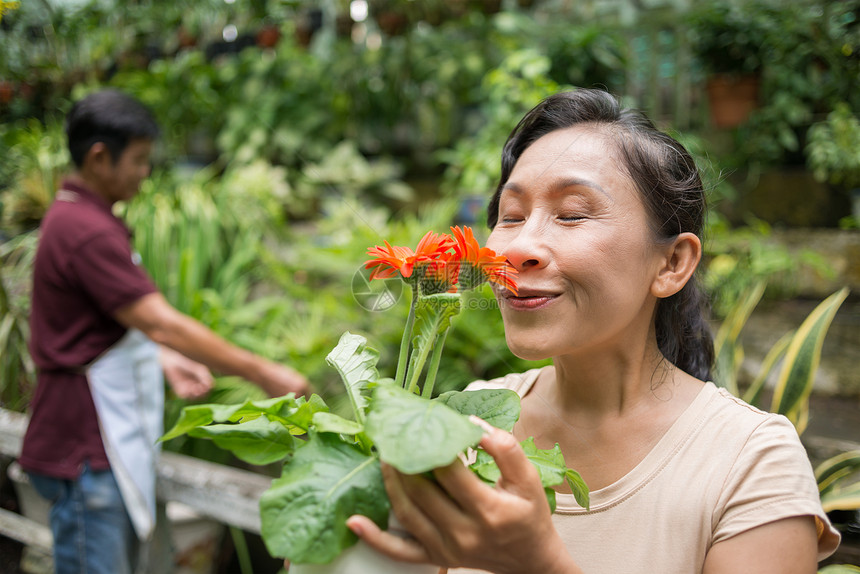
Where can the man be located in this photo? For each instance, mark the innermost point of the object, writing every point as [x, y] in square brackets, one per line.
[101, 336]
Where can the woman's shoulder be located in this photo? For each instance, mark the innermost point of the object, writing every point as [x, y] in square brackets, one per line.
[725, 408]
[518, 382]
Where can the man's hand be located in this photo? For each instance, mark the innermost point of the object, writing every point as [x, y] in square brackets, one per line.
[278, 380]
[188, 379]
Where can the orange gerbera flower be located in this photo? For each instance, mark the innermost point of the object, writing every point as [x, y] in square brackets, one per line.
[393, 259]
[479, 264]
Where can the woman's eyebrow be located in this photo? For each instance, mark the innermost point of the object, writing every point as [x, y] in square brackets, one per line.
[561, 185]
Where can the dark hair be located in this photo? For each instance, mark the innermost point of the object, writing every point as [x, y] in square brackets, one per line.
[671, 189]
[110, 117]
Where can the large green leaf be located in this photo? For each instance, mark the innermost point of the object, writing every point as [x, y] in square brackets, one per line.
[257, 441]
[330, 422]
[287, 409]
[416, 435]
[795, 382]
[304, 513]
[499, 407]
[356, 364]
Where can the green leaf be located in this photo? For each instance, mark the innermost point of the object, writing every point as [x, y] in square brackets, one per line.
[845, 498]
[792, 390]
[281, 408]
[356, 364]
[304, 512]
[328, 422]
[840, 569]
[257, 441]
[416, 435]
[727, 352]
[578, 487]
[499, 407]
[829, 472]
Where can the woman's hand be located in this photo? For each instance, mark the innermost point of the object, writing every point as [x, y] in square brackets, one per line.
[460, 521]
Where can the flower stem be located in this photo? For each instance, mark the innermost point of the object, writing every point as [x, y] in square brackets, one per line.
[415, 371]
[430, 381]
[400, 376]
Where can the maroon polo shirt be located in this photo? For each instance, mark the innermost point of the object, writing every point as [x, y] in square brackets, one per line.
[84, 271]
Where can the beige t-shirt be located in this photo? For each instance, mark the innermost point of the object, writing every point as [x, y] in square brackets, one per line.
[722, 468]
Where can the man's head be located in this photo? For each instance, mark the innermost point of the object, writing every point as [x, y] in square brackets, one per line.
[110, 138]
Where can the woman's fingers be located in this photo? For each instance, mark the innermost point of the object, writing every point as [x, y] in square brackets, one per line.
[403, 549]
[518, 474]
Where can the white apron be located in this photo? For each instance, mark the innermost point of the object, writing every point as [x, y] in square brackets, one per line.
[128, 391]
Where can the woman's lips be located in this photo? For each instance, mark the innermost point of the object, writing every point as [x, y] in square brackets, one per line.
[526, 301]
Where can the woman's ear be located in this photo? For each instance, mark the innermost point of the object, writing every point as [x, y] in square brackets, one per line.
[682, 257]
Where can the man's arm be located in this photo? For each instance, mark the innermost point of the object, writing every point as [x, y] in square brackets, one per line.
[167, 326]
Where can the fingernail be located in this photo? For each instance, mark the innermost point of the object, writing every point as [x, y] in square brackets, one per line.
[481, 423]
[355, 526]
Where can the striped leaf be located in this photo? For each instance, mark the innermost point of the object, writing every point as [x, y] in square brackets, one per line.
[847, 498]
[776, 352]
[839, 569]
[829, 472]
[727, 350]
[791, 394]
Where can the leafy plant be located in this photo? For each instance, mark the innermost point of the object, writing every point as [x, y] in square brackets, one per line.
[833, 148]
[17, 371]
[335, 472]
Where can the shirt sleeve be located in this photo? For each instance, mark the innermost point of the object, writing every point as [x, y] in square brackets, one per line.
[772, 479]
[107, 272]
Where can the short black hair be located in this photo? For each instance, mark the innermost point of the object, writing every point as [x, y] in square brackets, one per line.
[110, 117]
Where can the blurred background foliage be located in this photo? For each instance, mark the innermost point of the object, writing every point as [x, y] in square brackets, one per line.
[298, 133]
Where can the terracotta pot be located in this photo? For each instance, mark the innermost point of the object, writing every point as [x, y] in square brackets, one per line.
[7, 92]
[268, 36]
[732, 98]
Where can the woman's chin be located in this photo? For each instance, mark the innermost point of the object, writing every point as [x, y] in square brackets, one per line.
[529, 350]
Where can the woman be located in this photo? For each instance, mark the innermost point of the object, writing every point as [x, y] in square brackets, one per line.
[602, 216]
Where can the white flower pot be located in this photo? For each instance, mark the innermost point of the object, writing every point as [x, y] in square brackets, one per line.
[362, 559]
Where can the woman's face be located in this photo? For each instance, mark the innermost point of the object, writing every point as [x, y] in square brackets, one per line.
[574, 226]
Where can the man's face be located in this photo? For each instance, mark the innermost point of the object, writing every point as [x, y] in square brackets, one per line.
[129, 170]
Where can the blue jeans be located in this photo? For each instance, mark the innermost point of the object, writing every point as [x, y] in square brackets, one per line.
[92, 531]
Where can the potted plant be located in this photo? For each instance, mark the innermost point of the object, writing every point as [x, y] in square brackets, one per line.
[727, 39]
[833, 152]
[332, 463]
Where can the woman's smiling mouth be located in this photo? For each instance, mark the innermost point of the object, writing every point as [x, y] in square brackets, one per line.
[528, 300]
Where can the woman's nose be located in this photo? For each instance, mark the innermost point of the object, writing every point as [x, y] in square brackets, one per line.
[528, 249]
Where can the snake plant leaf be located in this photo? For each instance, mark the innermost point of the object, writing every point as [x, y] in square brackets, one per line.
[727, 351]
[355, 362]
[201, 415]
[416, 435]
[498, 407]
[846, 498]
[257, 441]
[304, 513]
[839, 569]
[795, 382]
[753, 393]
[829, 472]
